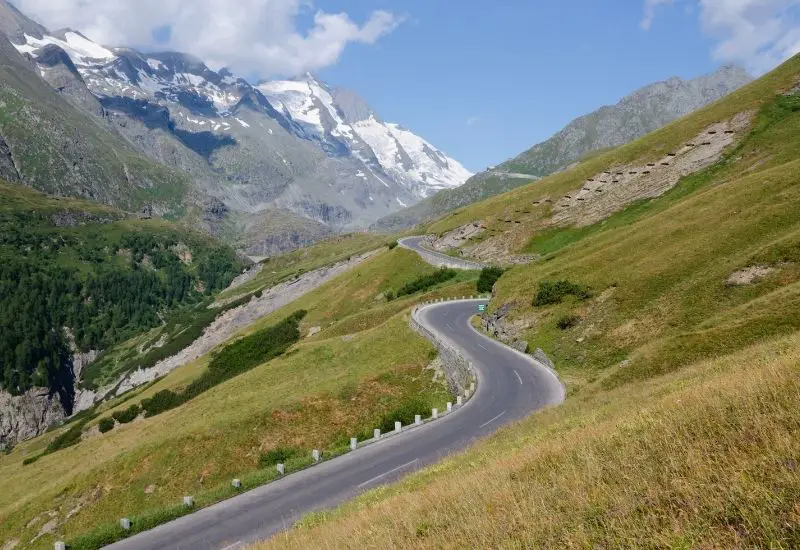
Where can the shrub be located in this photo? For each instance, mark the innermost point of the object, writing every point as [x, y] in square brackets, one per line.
[67, 439]
[554, 292]
[389, 295]
[31, 459]
[426, 281]
[278, 456]
[161, 402]
[489, 276]
[404, 413]
[392, 245]
[106, 425]
[128, 415]
[568, 321]
[236, 358]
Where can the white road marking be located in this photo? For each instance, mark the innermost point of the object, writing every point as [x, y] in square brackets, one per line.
[492, 420]
[450, 326]
[387, 473]
[518, 377]
[237, 544]
[481, 345]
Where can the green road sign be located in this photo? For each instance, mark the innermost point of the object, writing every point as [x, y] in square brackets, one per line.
[481, 307]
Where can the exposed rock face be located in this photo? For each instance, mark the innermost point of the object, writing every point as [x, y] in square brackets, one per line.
[457, 237]
[28, 415]
[495, 323]
[610, 191]
[233, 320]
[542, 357]
[749, 275]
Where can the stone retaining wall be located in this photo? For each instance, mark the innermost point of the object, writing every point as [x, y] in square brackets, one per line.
[458, 371]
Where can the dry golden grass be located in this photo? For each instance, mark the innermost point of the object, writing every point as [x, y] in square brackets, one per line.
[325, 391]
[707, 458]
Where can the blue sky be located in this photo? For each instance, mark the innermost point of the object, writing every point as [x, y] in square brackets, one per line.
[484, 83]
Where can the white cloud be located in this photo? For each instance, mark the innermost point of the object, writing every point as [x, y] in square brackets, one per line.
[250, 36]
[473, 120]
[650, 7]
[759, 34]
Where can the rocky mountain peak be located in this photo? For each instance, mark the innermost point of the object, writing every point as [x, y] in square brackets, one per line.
[15, 25]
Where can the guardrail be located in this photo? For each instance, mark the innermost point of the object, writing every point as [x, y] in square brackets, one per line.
[441, 260]
[461, 380]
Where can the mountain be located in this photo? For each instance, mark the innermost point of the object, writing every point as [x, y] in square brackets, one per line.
[51, 144]
[640, 113]
[285, 150]
[341, 121]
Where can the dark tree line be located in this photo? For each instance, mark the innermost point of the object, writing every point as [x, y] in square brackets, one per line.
[103, 283]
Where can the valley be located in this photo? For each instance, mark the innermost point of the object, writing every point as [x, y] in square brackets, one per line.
[251, 313]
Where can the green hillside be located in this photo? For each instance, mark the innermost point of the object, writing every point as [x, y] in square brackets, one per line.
[674, 323]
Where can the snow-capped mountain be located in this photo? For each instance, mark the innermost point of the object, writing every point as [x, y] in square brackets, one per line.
[295, 145]
[357, 129]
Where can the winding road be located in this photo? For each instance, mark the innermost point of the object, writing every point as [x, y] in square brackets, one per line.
[511, 385]
[436, 258]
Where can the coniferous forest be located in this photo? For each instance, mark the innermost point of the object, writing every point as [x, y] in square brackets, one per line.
[90, 284]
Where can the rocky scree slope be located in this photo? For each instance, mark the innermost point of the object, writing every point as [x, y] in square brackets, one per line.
[640, 113]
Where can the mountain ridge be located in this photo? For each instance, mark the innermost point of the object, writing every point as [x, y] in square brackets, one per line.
[236, 147]
[638, 113]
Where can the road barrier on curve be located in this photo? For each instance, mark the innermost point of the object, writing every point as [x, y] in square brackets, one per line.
[442, 260]
[461, 379]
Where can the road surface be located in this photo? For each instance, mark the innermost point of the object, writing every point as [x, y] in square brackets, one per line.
[436, 258]
[511, 385]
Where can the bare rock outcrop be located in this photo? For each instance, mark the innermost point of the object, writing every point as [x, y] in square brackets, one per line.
[232, 321]
[28, 415]
[614, 189]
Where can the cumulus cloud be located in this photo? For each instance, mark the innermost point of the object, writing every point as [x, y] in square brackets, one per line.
[759, 34]
[261, 37]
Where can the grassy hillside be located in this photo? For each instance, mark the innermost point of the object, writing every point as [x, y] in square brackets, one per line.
[364, 368]
[681, 425]
[680, 354]
[695, 459]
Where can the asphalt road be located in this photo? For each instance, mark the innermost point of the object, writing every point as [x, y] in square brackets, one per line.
[437, 258]
[511, 385]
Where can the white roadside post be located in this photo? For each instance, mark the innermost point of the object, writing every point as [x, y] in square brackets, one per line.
[315, 455]
[236, 483]
[353, 443]
[60, 545]
[376, 434]
[398, 427]
[417, 419]
[459, 400]
[434, 413]
[449, 406]
[281, 469]
[125, 523]
[188, 501]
